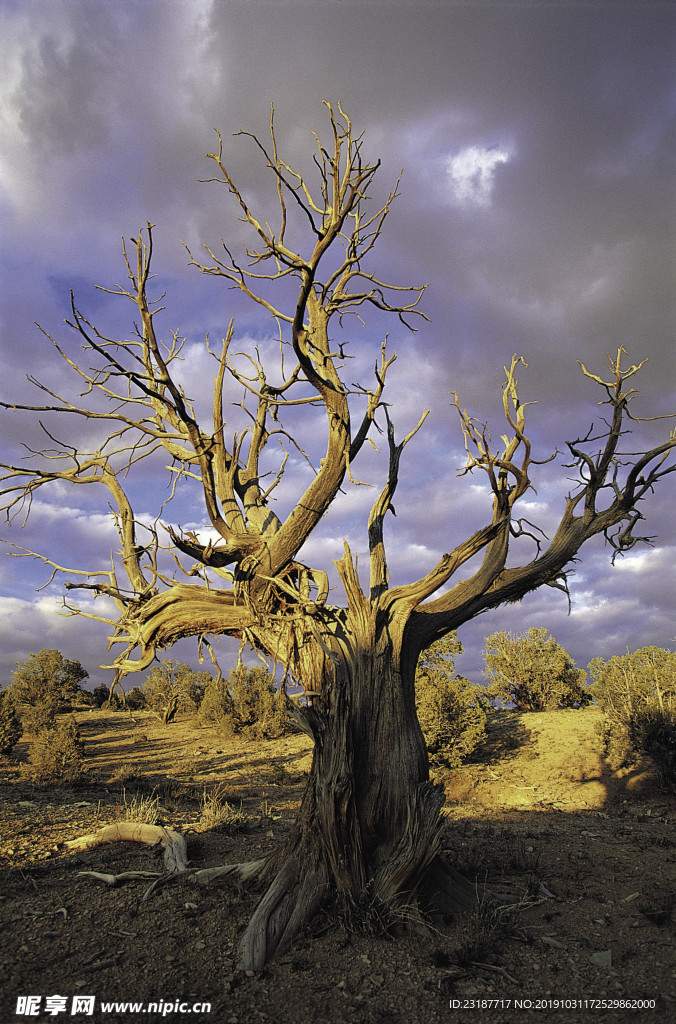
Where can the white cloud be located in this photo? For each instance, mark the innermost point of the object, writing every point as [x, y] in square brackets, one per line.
[650, 561]
[472, 174]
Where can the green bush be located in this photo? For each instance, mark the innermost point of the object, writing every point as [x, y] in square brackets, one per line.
[39, 717]
[451, 710]
[641, 679]
[653, 732]
[100, 694]
[637, 692]
[257, 710]
[11, 729]
[56, 756]
[46, 677]
[172, 688]
[533, 672]
[247, 702]
[136, 699]
[217, 707]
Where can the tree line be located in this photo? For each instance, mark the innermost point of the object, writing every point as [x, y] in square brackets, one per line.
[530, 672]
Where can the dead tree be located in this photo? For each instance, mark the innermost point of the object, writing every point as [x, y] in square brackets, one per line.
[369, 822]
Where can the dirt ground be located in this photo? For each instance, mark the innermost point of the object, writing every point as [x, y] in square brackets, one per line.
[578, 859]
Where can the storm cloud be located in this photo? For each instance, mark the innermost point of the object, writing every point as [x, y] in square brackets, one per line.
[536, 142]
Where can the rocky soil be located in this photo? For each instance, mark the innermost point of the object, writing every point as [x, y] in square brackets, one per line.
[574, 864]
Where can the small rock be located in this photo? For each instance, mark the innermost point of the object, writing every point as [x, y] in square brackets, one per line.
[550, 941]
[603, 958]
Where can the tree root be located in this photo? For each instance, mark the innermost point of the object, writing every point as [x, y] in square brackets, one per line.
[175, 851]
[244, 872]
[286, 906]
[125, 876]
[415, 877]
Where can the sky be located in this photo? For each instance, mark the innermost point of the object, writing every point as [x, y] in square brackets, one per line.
[537, 145]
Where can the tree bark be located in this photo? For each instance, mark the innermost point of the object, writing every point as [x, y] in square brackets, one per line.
[369, 826]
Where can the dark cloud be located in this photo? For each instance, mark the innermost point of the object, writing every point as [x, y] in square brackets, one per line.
[537, 145]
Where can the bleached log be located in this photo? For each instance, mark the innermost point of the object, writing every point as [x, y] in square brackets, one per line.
[175, 849]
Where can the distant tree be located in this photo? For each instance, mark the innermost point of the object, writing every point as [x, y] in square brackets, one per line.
[533, 672]
[100, 693]
[256, 705]
[451, 710]
[625, 683]
[136, 699]
[46, 678]
[217, 707]
[172, 688]
[247, 702]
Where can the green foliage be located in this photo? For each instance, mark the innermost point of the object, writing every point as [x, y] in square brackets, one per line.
[46, 677]
[217, 707]
[637, 692]
[100, 694]
[172, 688]
[257, 710]
[56, 756]
[637, 680]
[246, 702]
[451, 710]
[39, 717]
[533, 672]
[11, 729]
[136, 699]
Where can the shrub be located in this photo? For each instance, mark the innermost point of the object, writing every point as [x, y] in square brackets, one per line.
[100, 693]
[136, 699]
[172, 688]
[217, 707]
[11, 729]
[638, 695]
[451, 710]
[533, 672]
[257, 710]
[246, 702]
[56, 756]
[39, 717]
[652, 731]
[641, 679]
[46, 677]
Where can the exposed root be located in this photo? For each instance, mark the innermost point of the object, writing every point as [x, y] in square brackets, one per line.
[286, 906]
[125, 876]
[175, 851]
[244, 872]
[175, 856]
[414, 878]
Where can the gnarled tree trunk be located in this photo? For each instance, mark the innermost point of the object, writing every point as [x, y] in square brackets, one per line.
[369, 824]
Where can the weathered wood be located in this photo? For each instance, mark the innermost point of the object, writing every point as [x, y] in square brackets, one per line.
[175, 848]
